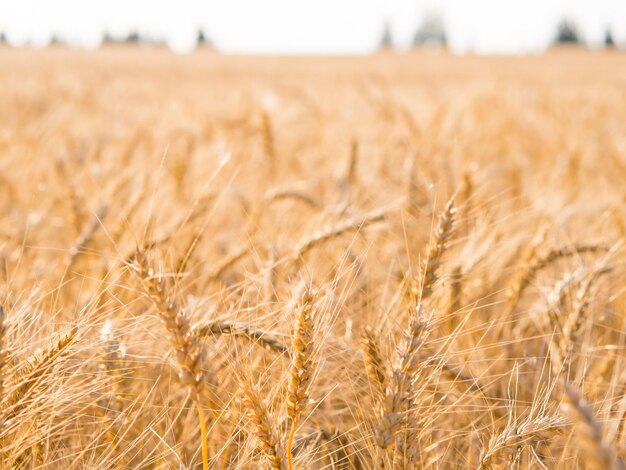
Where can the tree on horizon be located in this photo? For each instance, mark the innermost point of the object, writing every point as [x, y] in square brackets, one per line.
[133, 37]
[609, 41]
[567, 33]
[431, 32]
[202, 40]
[386, 40]
[56, 40]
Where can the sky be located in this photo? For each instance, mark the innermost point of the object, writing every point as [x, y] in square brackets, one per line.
[311, 27]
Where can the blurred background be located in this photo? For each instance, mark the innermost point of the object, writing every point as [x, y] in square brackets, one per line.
[320, 27]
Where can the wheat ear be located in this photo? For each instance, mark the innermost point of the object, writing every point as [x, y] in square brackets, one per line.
[374, 363]
[591, 432]
[435, 250]
[513, 438]
[268, 140]
[301, 364]
[37, 367]
[399, 391]
[574, 322]
[264, 428]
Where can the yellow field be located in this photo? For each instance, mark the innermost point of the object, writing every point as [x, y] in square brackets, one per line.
[384, 262]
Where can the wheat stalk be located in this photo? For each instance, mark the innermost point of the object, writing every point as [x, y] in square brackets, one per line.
[3, 350]
[435, 250]
[111, 363]
[399, 391]
[187, 346]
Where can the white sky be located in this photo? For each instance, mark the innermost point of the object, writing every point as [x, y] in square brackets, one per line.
[308, 26]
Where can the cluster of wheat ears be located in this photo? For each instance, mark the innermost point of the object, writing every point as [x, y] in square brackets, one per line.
[410, 262]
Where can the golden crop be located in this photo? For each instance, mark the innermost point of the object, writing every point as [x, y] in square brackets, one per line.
[396, 261]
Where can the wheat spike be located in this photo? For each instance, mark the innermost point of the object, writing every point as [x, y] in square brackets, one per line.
[374, 363]
[36, 369]
[301, 363]
[601, 456]
[514, 437]
[400, 388]
[186, 344]
[435, 250]
[301, 356]
[262, 423]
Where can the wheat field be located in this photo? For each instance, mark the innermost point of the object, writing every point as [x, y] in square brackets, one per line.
[395, 261]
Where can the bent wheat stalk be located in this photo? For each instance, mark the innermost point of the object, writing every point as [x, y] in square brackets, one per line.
[526, 274]
[329, 233]
[264, 339]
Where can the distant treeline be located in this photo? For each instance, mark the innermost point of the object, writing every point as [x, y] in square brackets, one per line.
[430, 33]
[132, 37]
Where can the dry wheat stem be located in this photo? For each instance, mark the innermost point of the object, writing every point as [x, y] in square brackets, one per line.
[355, 223]
[3, 350]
